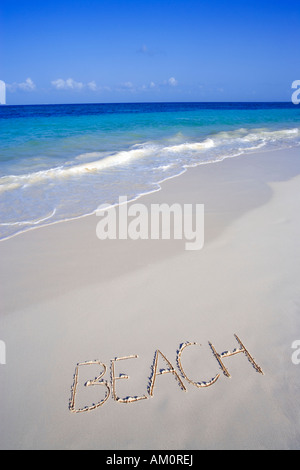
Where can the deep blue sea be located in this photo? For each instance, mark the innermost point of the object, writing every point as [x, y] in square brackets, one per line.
[59, 162]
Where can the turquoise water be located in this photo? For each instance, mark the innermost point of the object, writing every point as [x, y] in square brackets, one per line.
[60, 162]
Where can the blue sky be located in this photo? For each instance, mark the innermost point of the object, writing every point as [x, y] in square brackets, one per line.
[71, 51]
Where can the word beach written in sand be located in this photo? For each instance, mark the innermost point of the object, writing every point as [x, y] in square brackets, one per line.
[109, 388]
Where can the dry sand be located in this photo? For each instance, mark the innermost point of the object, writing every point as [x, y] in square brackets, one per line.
[68, 298]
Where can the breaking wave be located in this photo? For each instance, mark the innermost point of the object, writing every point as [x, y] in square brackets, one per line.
[77, 187]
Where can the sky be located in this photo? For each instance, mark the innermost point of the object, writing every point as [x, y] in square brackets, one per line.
[82, 51]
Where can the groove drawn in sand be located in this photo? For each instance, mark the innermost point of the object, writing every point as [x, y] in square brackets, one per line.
[197, 384]
[155, 371]
[171, 370]
[96, 381]
[243, 349]
[114, 378]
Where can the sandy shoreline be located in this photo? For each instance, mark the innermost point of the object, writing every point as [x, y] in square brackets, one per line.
[67, 298]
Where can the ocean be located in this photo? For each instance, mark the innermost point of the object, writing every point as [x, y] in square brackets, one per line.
[59, 162]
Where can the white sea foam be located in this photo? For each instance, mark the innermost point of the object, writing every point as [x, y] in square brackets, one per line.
[79, 186]
[29, 222]
[257, 137]
[194, 146]
[16, 181]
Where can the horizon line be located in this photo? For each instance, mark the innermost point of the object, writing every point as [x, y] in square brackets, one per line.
[145, 102]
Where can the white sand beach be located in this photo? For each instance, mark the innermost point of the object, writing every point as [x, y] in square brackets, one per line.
[69, 298]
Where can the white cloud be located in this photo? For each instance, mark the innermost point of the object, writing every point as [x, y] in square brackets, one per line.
[92, 85]
[146, 51]
[172, 81]
[59, 83]
[73, 84]
[128, 85]
[28, 85]
[148, 87]
[151, 86]
[69, 84]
